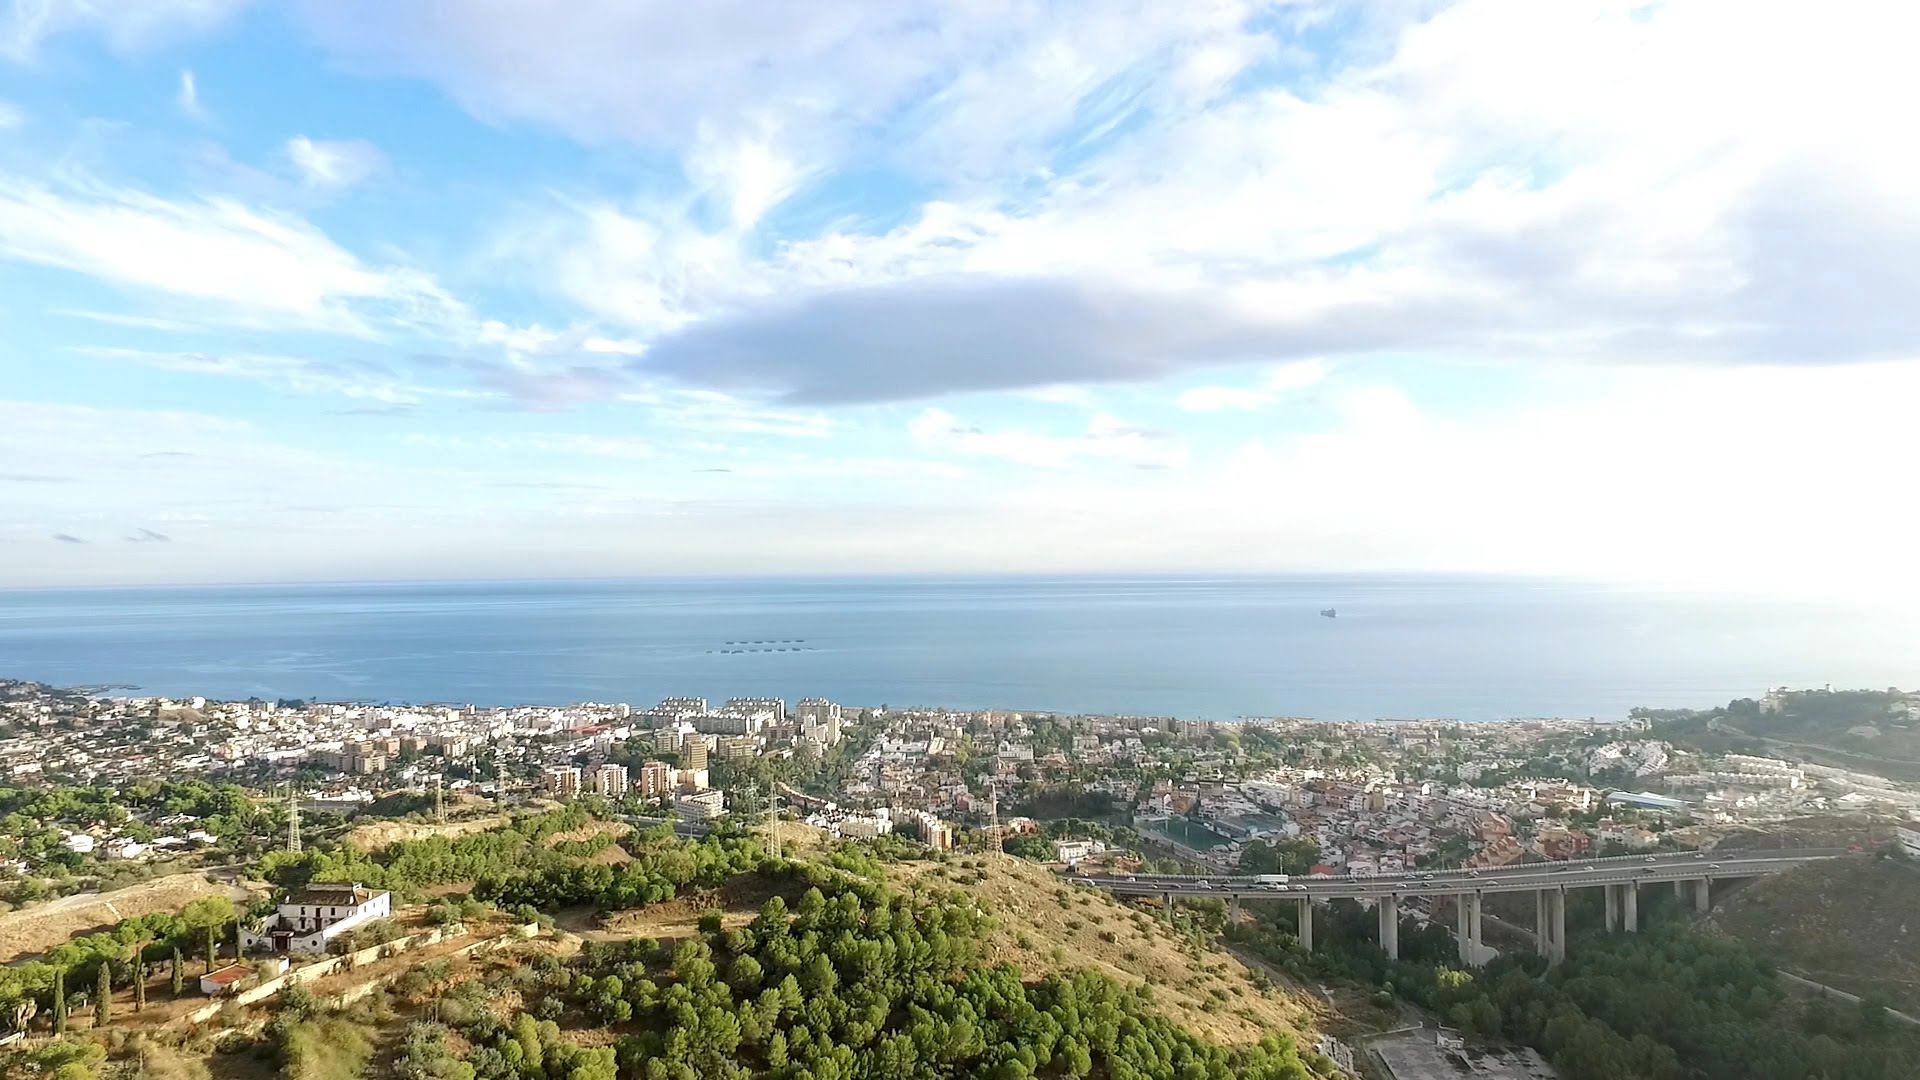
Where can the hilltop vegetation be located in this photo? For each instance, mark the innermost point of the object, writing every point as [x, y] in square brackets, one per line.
[1849, 923]
[866, 961]
[1872, 730]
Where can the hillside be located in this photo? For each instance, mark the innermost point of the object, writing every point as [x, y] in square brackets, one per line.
[1045, 925]
[1877, 731]
[32, 931]
[1849, 923]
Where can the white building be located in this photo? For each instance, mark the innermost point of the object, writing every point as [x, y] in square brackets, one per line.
[1072, 851]
[1909, 834]
[307, 921]
[704, 805]
[611, 781]
[562, 779]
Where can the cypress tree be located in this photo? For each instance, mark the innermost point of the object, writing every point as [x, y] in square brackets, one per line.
[179, 973]
[139, 985]
[213, 946]
[60, 1002]
[103, 996]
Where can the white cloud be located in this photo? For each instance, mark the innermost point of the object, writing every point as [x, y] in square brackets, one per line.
[355, 380]
[1222, 398]
[233, 262]
[954, 87]
[11, 116]
[1495, 178]
[1279, 382]
[623, 448]
[1106, 437]
[127, 27]
[188, 96]
[336, 163]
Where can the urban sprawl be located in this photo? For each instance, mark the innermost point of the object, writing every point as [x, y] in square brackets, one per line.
[1355, 798]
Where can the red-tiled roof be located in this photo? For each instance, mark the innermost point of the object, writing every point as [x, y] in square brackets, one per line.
[227, 976]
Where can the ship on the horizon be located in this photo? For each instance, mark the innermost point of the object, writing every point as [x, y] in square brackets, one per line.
[1328, 612]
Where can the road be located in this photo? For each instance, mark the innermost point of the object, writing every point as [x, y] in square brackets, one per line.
[1527, 877]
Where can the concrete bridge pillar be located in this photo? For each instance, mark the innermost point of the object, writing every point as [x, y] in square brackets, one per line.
[1680, 888]
[1390, 925]
[1473, 907]
[1233, 909]
[1306, 922]
[1613, 908]
[1557, 928]
[1463, 930]
[1703, 895]
[1168, 905]
[1542, 933]
[1630, 906]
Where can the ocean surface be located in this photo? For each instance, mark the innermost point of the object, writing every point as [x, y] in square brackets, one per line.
[1401, 647]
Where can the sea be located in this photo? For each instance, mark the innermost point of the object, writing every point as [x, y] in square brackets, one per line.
[1203, 647]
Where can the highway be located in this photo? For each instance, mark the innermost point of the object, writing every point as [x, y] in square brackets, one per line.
[1528, 877]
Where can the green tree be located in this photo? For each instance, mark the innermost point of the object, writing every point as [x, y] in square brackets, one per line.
[103, 996]
[179, 973]
[60, 1002]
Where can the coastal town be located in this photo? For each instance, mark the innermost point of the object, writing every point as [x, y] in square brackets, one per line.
[1337, 799]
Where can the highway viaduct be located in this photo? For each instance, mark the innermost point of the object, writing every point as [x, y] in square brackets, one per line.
[1622, 877]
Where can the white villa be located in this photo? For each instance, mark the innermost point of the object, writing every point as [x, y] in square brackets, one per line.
[307, 921]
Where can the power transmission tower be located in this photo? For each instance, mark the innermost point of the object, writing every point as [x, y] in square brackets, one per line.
[293, 820]
[993, 813]
[439, 799]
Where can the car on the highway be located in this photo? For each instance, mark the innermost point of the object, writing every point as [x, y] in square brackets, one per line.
[1653, 858]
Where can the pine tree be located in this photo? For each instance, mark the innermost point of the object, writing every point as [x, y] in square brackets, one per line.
[60, 1002]
[179, 973]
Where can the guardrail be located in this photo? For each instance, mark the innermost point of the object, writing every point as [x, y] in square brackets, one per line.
[1510, 869]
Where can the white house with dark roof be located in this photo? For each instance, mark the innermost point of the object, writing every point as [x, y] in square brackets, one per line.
[307, 921]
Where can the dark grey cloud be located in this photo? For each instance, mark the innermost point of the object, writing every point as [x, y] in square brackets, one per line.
[148, 536]
[936, 336]
[68, 538]
[1799, 270]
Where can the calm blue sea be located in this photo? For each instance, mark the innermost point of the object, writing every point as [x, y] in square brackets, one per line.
[1203, 647]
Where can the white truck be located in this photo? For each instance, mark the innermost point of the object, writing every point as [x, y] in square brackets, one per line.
[1270, 880]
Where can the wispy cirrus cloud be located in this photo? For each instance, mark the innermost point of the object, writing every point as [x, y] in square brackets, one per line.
[188, 96]
[148, 536]
[1106, 437]
[334, 163]
[361, 380]
[26, 24]
[231, 262]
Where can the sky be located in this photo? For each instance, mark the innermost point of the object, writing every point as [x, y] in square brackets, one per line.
[371, 289]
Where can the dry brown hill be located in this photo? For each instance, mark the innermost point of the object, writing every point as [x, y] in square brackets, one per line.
[1044, 925]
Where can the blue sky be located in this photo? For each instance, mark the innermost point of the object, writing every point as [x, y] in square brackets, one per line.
[361, 289]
